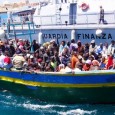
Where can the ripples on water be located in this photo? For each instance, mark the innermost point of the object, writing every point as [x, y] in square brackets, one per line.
[18, 105]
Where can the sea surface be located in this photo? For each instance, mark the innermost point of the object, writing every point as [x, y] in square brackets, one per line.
[11, 104]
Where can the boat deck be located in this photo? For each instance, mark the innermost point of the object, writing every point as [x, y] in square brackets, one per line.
[76, 26]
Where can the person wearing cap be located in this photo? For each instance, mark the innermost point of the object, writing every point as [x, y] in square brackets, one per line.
[61, 68]
[101, 15]
[31, 60]
[87, 65]
[18, 61]
[53, 45]
[80, 62]
[7, 61]
[95, 65]
[92, 47]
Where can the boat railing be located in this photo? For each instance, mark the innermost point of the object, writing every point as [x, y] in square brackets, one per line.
[84, 18]
[93, 18]
[80, 19]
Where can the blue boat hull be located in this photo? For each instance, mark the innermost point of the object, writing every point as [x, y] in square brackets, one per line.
[62, 88]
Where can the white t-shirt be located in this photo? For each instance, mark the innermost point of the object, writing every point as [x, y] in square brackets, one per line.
[76, 70]
[67, 70]
[2, 57]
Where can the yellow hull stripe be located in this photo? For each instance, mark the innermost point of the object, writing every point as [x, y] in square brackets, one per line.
[56, 85]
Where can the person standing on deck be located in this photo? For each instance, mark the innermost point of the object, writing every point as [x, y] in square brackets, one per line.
[101, 15]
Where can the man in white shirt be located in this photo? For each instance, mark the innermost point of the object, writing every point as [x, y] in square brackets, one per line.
[111, 47]
[2, 57]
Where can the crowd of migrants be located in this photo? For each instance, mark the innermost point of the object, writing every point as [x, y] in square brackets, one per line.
[52, 57]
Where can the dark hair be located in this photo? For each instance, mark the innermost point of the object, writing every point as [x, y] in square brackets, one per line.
[112, 41]
[100, 6]
[72, 41]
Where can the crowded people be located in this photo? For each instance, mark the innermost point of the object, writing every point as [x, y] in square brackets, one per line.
[67, 57]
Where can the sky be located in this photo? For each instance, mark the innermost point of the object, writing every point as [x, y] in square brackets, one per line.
[11, 1]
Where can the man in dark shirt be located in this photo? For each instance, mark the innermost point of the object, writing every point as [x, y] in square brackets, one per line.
[101, 15]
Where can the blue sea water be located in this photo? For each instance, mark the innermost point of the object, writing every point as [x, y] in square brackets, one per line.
[19, 105]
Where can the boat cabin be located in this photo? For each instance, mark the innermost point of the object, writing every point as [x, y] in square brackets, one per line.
[70, 12]
[24, 15]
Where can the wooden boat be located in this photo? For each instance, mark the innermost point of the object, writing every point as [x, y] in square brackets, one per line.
[82, 87]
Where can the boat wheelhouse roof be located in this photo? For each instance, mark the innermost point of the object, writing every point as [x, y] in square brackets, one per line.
[25, 10]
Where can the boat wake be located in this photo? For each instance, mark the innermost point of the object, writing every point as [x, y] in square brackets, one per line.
[59, 109]
[35, 107]
[13, 104]
[78, 112]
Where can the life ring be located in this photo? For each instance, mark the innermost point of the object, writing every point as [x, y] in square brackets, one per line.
[84, 6]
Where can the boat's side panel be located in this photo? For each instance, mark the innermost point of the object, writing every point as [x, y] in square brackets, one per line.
[61, 80]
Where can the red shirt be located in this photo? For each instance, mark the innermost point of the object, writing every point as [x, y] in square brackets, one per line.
[7, 60]
[110, 62]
